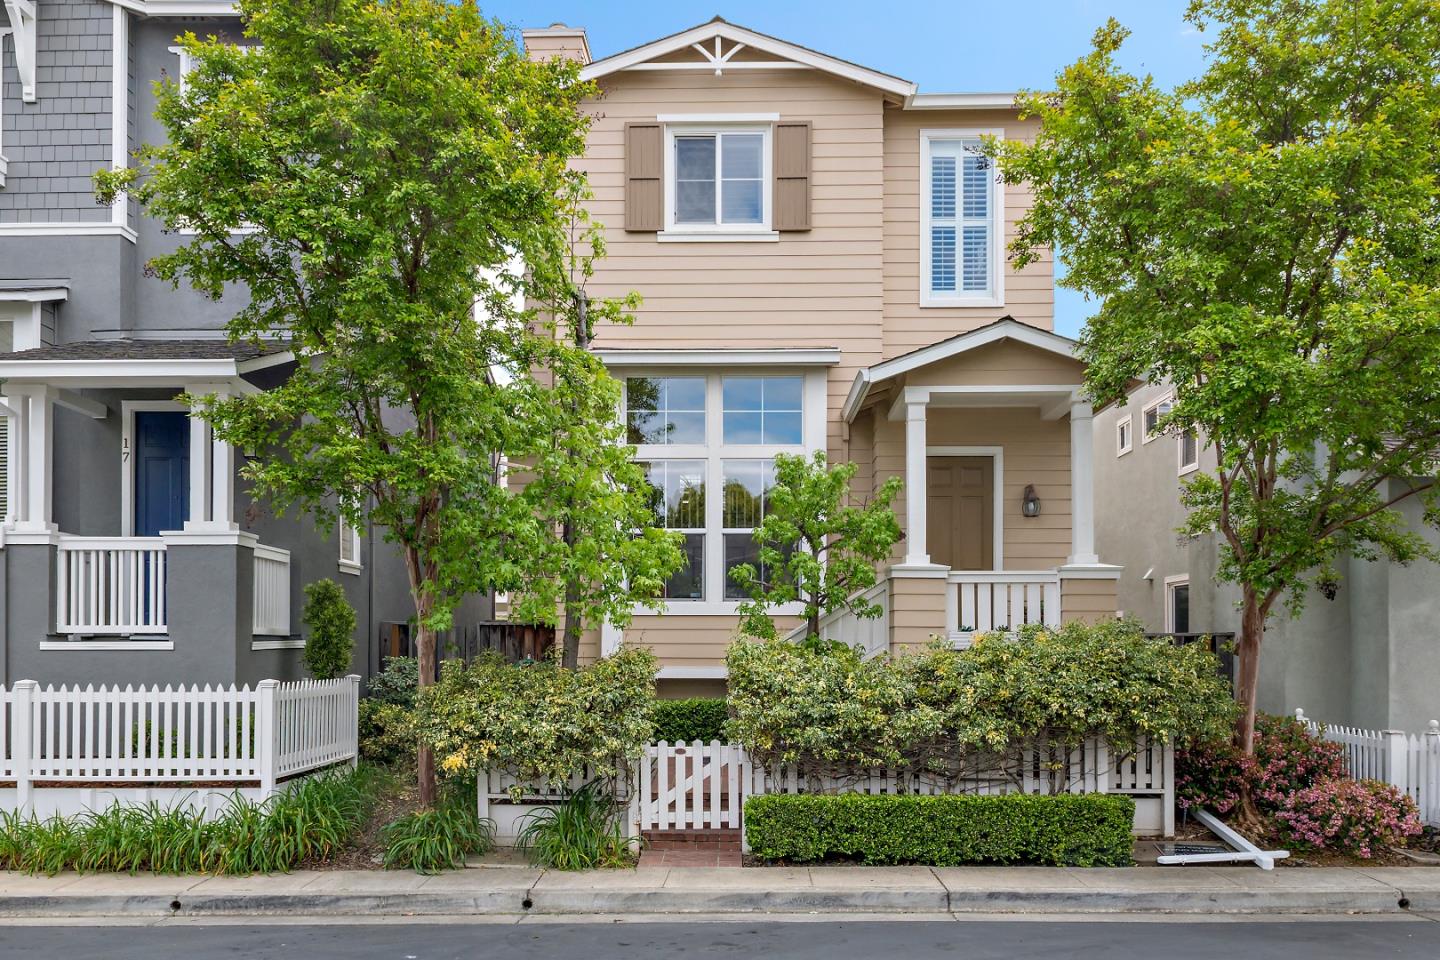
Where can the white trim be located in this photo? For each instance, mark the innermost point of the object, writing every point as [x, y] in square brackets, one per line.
[120, 108]
[717, 118]
[995, 296]
[38, 295]
[702, 231]
[209, 538]
[23, 24]
[289, 643]
[1124, 435]
[718, 28]
[1179, 579]
[91, 646]
[352, 567]
[128, 409]
[1004, 329]
[961, 101]
[1090, 571]
[181, 8]
[721, 357]
[97, 229]
[1145, 435]
[680, 236]
[691, 673]
[137, 372]
[997, 455]
[1183, 468]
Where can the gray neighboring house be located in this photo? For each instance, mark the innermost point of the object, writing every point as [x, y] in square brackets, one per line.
[1369, 657]
[130, 551]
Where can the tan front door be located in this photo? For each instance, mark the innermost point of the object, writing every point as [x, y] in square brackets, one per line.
[960, 513]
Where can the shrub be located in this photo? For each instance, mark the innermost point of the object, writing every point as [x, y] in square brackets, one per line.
[584, 832]
[440, 838]
[1350, 816]
[688, 720]
[539, 721]
[936, 708]
[948, 830]
[396, 683]
[387, 732]
[331, 621]
[1288, 757]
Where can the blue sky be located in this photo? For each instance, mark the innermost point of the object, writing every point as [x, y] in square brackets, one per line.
[944, 47]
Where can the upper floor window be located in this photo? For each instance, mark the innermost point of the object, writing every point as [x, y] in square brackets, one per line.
[349, 546]
[1154, 412]
[960, 216]
[1124, 438]
[717, 179]
[1189, 451]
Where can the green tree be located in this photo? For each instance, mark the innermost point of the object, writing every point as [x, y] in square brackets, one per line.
[814, 548]
[371, 175]
[1264, 239]
[331, 621]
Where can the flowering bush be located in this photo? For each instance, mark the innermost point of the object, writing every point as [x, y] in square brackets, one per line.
[539, 721]
[1351, 816]
[1288, 757]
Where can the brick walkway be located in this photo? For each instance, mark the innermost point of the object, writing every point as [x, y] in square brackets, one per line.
[689, 858]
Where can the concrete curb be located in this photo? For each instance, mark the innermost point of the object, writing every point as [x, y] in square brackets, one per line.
[580, 901]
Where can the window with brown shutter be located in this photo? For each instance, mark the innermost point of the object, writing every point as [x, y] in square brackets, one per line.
[644, 170]
[792, 175]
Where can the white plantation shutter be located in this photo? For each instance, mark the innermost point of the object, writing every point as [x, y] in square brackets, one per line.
[4, 467]
[961, 219]
[349, 543]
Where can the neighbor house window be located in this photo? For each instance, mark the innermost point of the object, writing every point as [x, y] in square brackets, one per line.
[1124, 437]
[1177, 605]
[711, 478]
[349, 546]
[718, 179]
[1150, 417]
[959, 216]
[1189, 451]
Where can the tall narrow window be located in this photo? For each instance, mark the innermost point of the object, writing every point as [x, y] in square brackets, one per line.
[747, 485]
[1123, 438]
[1189, 451]
[349, 546]
[959, 207]
[678, 495]
[1177, 605]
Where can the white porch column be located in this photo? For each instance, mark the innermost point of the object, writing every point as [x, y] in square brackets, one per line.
[1082, 484]
[222, 479]
[33, 447]
[199, 517]
[212, 472]
[916, 550]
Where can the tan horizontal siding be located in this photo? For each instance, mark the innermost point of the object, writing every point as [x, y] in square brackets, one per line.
[1089, 601]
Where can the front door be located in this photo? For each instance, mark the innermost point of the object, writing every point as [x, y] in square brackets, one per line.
[961, 512]
[162, 471]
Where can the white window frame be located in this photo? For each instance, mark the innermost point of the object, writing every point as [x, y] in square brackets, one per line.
[1146, 434]
[344, 530]
[720, 231]
[995, 296]
[1183, 467]
[714, 452]
[1179, 580]
[1124, 435]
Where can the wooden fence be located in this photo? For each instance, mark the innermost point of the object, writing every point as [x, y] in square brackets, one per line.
[514, 641]
[1408, 762]
[59, 738]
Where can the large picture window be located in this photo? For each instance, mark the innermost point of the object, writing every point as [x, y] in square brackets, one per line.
[960, 210]
[708, 444]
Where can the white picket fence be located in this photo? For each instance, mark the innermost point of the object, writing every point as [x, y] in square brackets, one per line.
[699, 785]
[1408, 762]
[56, 739]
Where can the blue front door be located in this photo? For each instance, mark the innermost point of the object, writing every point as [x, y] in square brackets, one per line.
[162, 471]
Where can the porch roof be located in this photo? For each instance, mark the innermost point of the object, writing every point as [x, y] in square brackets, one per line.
[140, 362]
[1005, 328]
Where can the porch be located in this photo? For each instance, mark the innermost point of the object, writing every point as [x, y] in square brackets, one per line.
[121, 527]
[992, 434]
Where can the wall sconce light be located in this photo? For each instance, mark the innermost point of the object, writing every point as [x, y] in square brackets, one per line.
[1030, 506]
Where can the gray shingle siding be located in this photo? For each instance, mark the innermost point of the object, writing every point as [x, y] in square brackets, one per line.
[57, 142]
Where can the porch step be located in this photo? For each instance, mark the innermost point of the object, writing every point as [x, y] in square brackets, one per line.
[700, 840]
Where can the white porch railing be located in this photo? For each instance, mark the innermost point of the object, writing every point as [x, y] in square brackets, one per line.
[1408, 762]
[872, 635]
[67, 737]
[272, 591]
[111, 585]
[984, 600]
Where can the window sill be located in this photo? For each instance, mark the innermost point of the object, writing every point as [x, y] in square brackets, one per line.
[701, 236]
[708, 608]
[136, 646]
[1121, 453]
[1187, 470]
[928, 301]
[277, 643]
[350, 567]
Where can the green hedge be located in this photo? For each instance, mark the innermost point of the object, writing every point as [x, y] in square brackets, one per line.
[1083, 830]
[695, 718]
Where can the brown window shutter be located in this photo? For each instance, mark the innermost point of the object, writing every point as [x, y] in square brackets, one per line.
[792, 175]
[644, 170]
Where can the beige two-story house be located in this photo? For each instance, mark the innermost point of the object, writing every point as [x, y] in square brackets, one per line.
[821, 251]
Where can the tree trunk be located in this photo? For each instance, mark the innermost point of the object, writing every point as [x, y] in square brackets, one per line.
[570, 651]
[1248, 818]
[425, 654]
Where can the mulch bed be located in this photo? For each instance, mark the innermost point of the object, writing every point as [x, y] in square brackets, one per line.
[398, 797]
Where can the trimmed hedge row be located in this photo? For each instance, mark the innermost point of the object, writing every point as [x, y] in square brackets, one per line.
[688, 720]
[1076, 830]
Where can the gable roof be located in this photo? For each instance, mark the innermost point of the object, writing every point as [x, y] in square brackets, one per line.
[1006, 328]
[719, 28]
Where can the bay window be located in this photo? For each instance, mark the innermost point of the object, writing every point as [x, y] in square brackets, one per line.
[708, 444]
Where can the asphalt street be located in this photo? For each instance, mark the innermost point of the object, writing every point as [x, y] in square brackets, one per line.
[821, 939]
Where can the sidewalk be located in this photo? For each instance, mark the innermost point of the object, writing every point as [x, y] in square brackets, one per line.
[729, 890]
